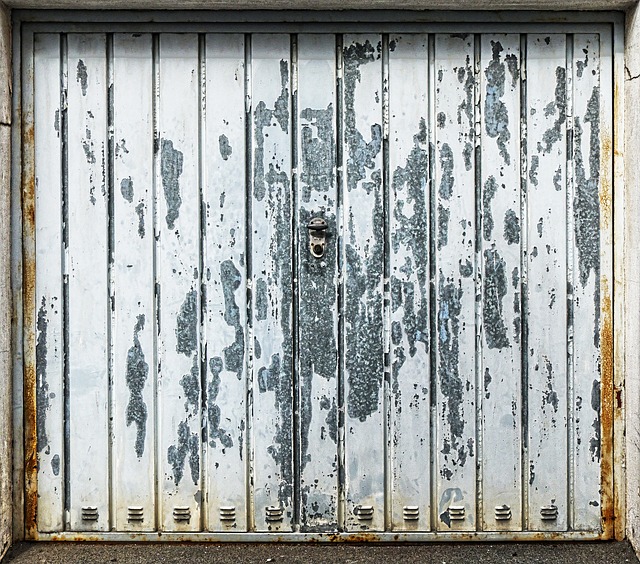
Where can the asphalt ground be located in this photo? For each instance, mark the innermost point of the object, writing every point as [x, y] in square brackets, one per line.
[429, 553]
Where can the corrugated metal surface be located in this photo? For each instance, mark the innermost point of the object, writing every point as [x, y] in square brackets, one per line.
[439, 368]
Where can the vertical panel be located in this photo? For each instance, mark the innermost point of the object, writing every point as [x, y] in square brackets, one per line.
[409, 270]
[585, 210]
[547, 284]
[133, 279]
[178, 281]
[88, 312]
[226, 283]
[455, 282]
[316, 196]
[500, 231]
[363, 294]
[272, 284]
[49, 297]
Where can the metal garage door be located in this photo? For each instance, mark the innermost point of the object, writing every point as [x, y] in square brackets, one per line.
[320, 282]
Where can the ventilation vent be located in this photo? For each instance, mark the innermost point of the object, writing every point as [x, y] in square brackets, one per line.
[135, 513]
[503, 512]
[181, 513]
[411, 512]
[274, 514]
[364, 512]
[549, 512]
[228, 513]
[456, 512]
[89, 513]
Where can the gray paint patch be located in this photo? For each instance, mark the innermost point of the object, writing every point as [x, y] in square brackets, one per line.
[495, 289]
[511, 228]
[446, 174]
[533, 170]
[187, 324]
[42, 385]
[443, 226]
[81, 76]
[216, 433]
[559, 107]
[317, 151]
[137, 373]
[126, 189]
[190, 383]
[496, 115]
[234, 353]
[188, 444]
[140, 212]
[225, 148]
[55, 464]
[262, 301]
[595, 441]
[490, 189]
[171, 161]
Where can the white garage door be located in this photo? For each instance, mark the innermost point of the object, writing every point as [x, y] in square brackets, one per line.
[349, 284]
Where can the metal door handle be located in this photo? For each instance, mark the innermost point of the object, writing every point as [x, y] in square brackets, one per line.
[317, 236]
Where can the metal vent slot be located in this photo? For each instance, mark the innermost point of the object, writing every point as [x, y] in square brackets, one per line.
[89, 513]
[135, 513]
[181, 513]
[411, 512]
[456, 512]
[364, 512]
[549, 512]
[502, 512]
[274, 514]
[228, 513]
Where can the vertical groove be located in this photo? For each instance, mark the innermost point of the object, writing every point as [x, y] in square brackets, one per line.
[340, 260]
[64, 126]
[295, 306]
[524, 257]
[109, 165]
[202, 77]
[480, 525]
[249, 279]
[570, 284]
[432, 276]
[387, 419]
[155, 102]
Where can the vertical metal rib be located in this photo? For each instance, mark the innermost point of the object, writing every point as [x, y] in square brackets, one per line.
[249, 277]
[295, 309]
[155, 56]
[478, 280]
[570, 285]
[340, 260]
[202, 78]
[111, 315]
[524, 337]
[433, 330]
[388, 477]
[64, 127]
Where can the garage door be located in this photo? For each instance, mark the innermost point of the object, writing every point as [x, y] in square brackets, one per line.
[324, 283]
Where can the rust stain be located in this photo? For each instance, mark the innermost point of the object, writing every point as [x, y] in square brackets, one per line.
[607, 411]
[605, 190]
[29, 288]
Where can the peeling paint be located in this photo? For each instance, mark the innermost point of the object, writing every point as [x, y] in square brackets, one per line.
[495, 110]
[511, 228]
[81, 76]
[190, 383]
[187, 325]
[443, 226]
[171, 161]
[126, 189]
[234, 353]
[42, 389]
[216, 433]
[225, 148]
[490, 189]
[446, 174]
[55, 464]
[317, 151]
[137, 373]
[140, 213]
[595, 441]
[495, 289]
[188, 445]
[557, 107]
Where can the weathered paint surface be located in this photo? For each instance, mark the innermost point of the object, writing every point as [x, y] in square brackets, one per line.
[409, 241]
[271, 264]
[546, 263]
[133, 282]
[500, 255]
[363, 249]
[455, 287]
[450, 340]
[178, 282]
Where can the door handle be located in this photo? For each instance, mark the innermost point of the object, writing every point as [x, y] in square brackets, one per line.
[317, 236]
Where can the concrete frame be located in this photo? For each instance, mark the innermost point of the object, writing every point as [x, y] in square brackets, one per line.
[626, 211]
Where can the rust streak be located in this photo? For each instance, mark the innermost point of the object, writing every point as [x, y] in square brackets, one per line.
[607, 411]
[605, 189]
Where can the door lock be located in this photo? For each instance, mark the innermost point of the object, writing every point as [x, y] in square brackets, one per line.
[317, 236]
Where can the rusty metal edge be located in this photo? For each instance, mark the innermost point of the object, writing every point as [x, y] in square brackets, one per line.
[394, 537]
[28, 288]
[619, 301]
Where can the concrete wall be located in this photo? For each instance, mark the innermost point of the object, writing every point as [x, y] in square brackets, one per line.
[5, 291]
